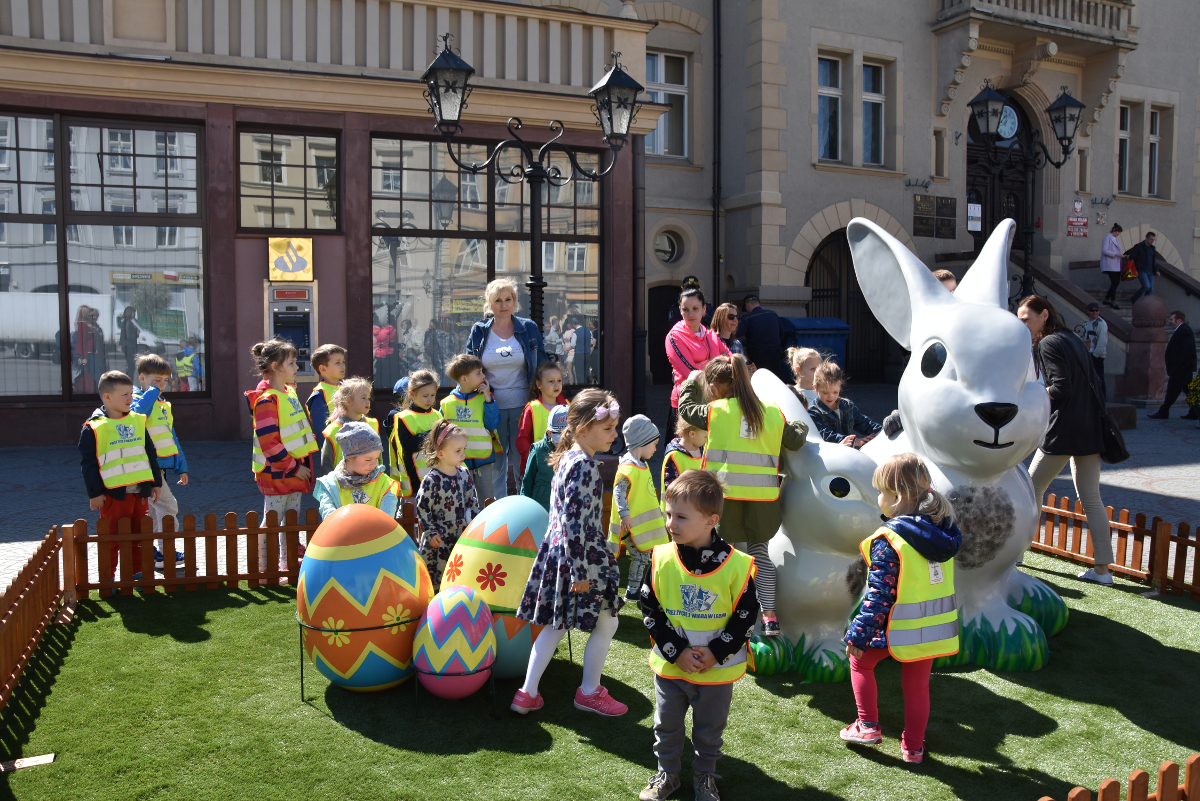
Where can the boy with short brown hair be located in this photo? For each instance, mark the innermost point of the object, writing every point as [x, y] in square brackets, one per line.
[330, 363]
[153, 375]
[699, 605]
[119, 464]
[472, 407]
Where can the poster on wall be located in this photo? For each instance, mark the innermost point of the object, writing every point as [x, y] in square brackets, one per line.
[1077, 221]
[974, 216]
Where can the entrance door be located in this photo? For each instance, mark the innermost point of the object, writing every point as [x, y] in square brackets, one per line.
[659, 302]
[1001, 192]
[835, 293]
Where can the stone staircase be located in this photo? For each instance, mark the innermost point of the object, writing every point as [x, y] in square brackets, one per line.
[1125, 293]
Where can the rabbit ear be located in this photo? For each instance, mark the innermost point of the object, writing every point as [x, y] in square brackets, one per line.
[987, 279]
[896, 284]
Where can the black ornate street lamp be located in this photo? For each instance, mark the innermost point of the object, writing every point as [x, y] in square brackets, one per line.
[615, 107]
[987, 108]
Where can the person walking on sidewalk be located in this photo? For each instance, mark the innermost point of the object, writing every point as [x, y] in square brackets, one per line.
[1095, 338]
[1181, 364]
[1144, 256]
[1110, 264]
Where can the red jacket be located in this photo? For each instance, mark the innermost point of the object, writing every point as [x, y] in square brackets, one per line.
[279, 477]
[525, 432]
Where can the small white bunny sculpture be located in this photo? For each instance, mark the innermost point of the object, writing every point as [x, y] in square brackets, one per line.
[829, 507]
[973, 408]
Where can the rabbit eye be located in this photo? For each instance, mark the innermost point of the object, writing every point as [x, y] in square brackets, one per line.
[933, 360]
[841, 488]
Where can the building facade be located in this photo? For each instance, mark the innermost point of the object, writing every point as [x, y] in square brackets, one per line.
[152, 150]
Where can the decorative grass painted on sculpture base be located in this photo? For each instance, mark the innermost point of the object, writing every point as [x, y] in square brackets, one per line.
[1011, 646]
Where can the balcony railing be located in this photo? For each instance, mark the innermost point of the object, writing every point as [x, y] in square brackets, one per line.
[1110, 17]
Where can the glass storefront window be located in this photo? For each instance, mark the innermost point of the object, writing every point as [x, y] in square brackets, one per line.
[127, 170]
[288, 181]
[29, 312]
[441, 233]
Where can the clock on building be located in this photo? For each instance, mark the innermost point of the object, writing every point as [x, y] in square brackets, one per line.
[1008, 123]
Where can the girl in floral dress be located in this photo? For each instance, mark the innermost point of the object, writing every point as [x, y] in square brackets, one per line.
[574, 581]
[446, 501]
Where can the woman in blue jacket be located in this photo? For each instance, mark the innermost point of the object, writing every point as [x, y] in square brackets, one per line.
[511, 349]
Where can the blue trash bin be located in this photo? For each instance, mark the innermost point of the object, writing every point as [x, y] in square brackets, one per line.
[827, 335]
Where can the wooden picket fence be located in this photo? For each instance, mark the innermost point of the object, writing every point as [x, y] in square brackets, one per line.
[1169, 788]
[26, 608]
[202, 549]
[1146, 552]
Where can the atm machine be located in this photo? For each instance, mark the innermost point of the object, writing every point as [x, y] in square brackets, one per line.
[291, 314]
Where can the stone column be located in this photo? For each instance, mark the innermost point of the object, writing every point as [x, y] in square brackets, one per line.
[1145, 376]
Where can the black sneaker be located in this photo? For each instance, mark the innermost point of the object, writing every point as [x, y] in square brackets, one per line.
[1157, 416]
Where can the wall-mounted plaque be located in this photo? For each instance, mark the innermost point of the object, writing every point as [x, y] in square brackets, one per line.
[945, 228]
[924, 226]
[923, 205]
[947, 207]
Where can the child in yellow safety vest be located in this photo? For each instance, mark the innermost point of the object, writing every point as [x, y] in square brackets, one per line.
[636, 517]
[910, 610]
[545, 392]
[416, 414]
[284, 446]
[153, 375]
[685, 452]
[699, 605]
[330, 363]
[745, 441]
[358, 477]
[472, 408]
[351, 403]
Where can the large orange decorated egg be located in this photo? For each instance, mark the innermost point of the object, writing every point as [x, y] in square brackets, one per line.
[362, 571]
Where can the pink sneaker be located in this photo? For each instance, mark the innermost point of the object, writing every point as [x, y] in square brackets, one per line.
[600, 702]
[859, 732]
[522, 704]
[913, 756]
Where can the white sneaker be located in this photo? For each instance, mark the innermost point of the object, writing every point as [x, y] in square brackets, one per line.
[1091, 575]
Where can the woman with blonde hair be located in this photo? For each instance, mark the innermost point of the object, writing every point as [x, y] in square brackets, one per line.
[511, 348]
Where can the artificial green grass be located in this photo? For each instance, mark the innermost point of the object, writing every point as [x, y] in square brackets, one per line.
[196, 696]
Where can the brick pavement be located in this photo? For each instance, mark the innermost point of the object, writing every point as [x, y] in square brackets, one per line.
[44, 485]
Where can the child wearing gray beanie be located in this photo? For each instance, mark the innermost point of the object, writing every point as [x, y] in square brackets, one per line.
[636, 515]
[356, 480]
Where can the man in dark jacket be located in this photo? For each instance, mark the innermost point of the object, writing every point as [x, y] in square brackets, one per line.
[761, 333]
[1181, 363]
[1143, 255]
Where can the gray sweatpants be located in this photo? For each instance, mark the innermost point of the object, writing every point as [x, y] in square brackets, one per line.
[710, 714]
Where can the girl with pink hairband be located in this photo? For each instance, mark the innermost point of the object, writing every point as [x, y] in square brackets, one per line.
[446, 502]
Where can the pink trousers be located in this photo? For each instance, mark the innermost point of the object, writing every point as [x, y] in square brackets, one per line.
[914, 679]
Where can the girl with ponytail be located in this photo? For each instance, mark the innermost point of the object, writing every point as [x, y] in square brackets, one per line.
[745, 438]
[574, 581]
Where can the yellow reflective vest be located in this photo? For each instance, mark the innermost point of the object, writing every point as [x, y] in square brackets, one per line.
[376, 490]
[121, 450]
[416, 423]
[160, 425]
[698, 608]
[325, 390]
[183, 365]
[294, 428]
[331, 430]
[541, 417]
[647, 524]
[468, 415]
[683, 462]
[924, 620]
[747, 465]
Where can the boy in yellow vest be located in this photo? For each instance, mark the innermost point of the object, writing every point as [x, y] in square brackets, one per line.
[700, 607]
[358, 476]
[153, 376]
[330, 363]
[120, 467]
[473, 409]
[636, 516]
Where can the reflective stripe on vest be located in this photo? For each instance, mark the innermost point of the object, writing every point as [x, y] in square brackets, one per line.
[375, 491]
[183, 365]
[924, 620]
[698, 608]
[468, 415]
[121, 450]
[331, 430]
[747, 466]
[416, 423]
[159, 425]
[294, 429]
[646, 521]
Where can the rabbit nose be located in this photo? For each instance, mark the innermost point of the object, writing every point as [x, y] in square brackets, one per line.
[996, 415]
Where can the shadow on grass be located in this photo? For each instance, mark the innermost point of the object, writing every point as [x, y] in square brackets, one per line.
[19, 718]
[157, 615]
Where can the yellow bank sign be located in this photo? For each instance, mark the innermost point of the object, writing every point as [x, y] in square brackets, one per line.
[289, 259]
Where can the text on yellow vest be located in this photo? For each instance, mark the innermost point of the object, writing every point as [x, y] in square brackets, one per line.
[373, 492]
[468, 415]
[121, 450]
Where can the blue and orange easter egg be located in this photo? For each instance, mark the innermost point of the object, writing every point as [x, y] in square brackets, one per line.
[514, 644]
[363, 587]
[494, 556]
[455, 646]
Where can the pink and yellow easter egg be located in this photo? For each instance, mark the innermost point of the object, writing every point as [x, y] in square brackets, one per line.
[455, 646]
[361, 570]
[494, 556]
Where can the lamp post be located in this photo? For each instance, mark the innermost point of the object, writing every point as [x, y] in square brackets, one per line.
[987, 108]
[615, 107]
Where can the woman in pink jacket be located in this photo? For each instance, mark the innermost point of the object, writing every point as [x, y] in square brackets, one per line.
[690, 345]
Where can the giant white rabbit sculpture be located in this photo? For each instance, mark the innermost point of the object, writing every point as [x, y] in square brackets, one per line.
[829, 507]
[973, 408]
